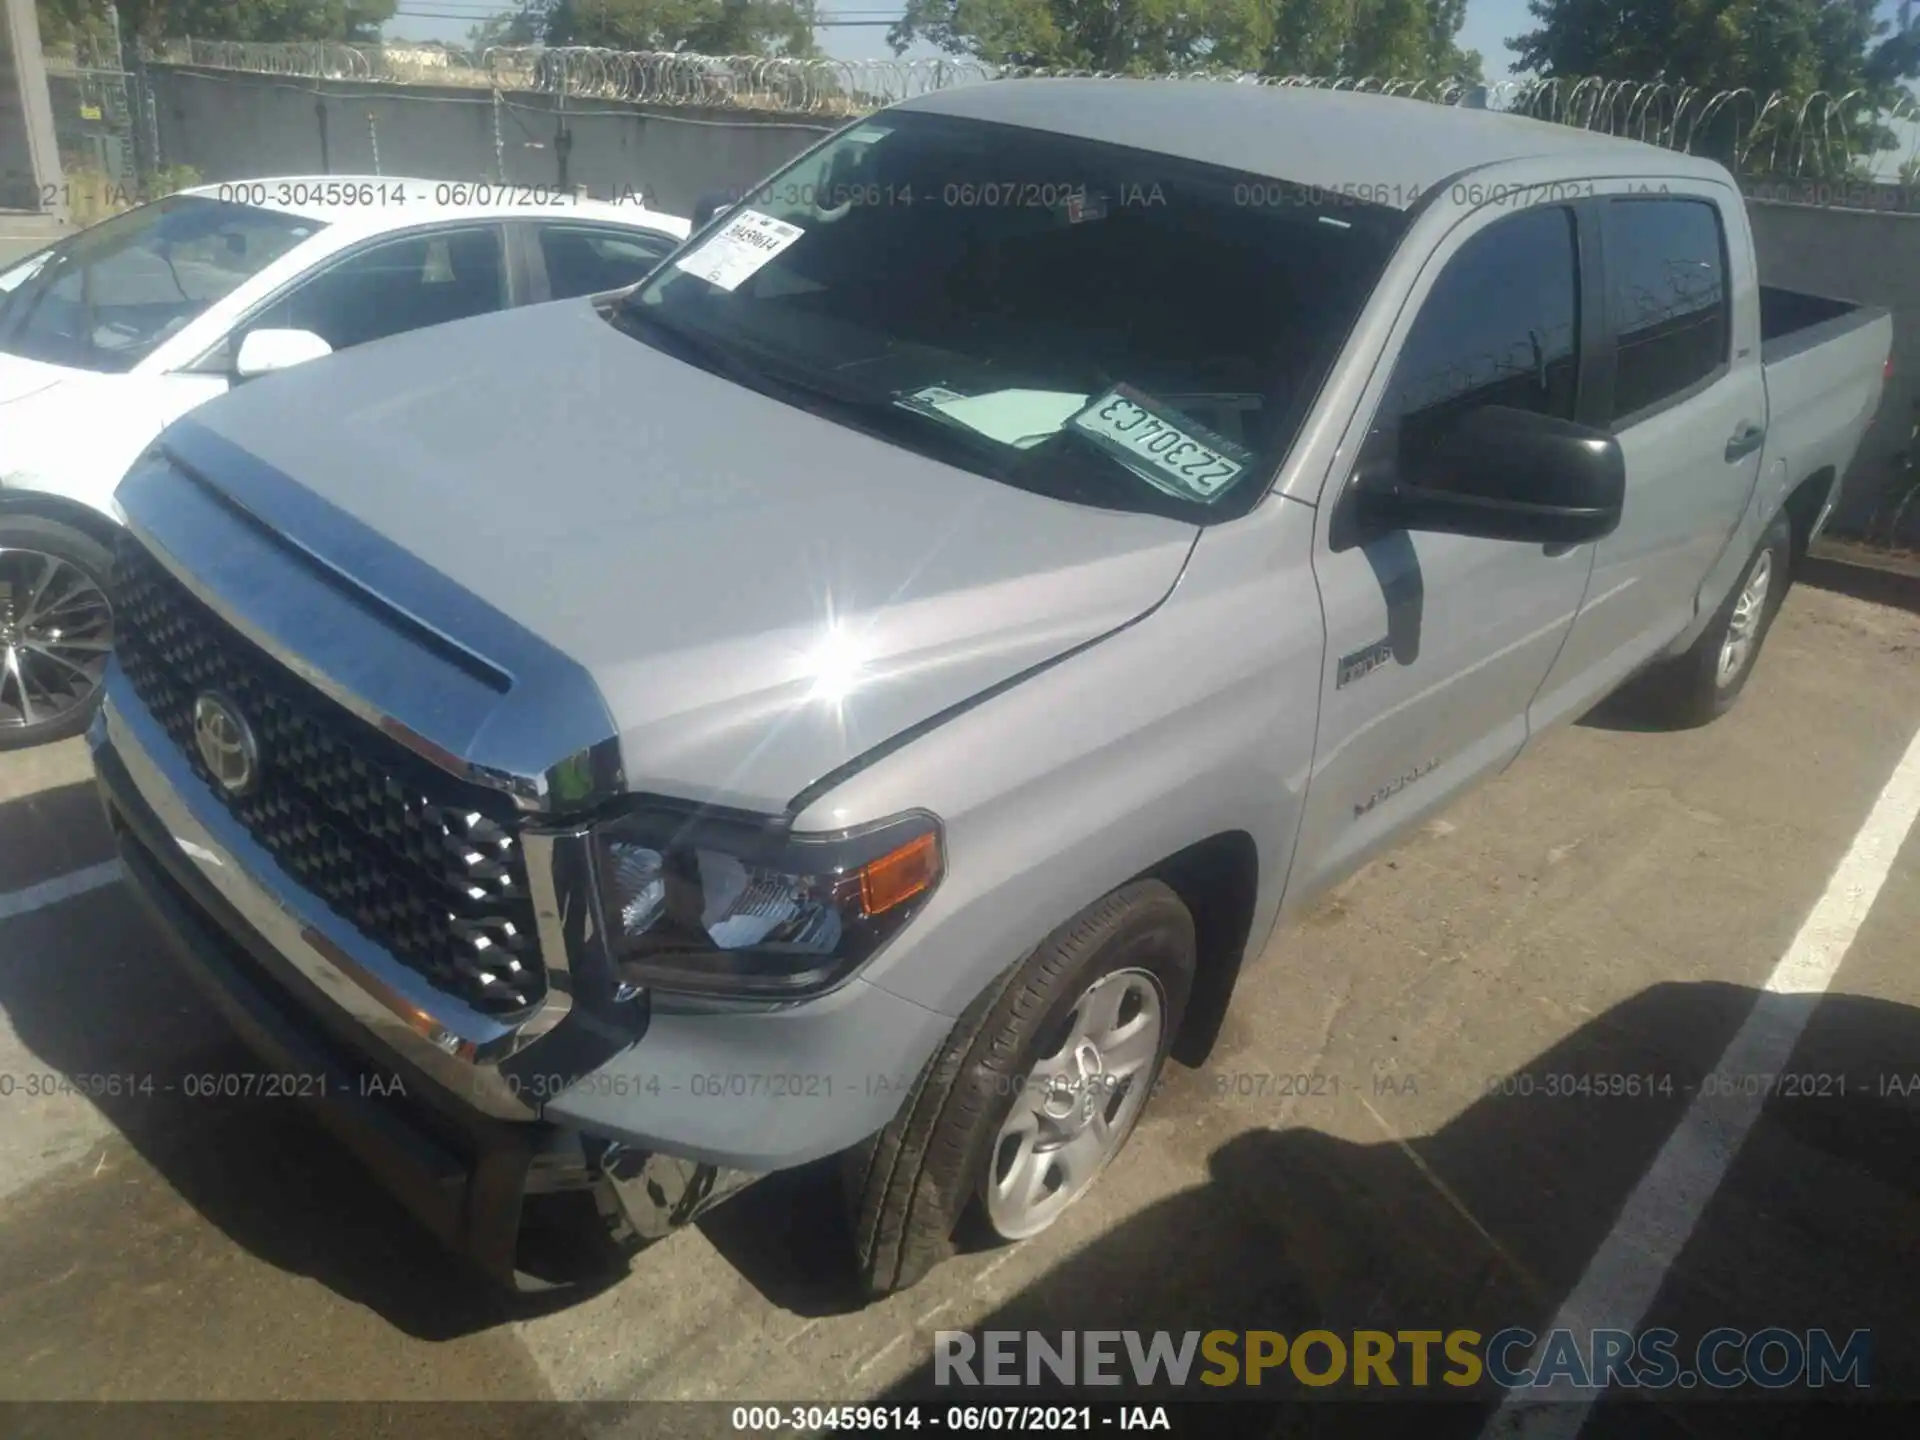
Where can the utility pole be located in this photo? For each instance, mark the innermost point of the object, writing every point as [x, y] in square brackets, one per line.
[30, 174]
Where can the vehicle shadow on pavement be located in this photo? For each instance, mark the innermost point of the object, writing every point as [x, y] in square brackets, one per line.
[1490, 1222]
[91, 991]
[787, 1236]
[49, 833]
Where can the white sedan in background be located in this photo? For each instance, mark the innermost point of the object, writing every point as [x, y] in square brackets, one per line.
[121, 328]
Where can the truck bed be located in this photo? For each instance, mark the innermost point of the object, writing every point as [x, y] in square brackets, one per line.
[1824, 363]
[1796, 320]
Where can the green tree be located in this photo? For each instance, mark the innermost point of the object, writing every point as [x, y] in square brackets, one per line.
[1798, 47]
[1410, 39]
[703, 27]
[72, 22]
[525, 26]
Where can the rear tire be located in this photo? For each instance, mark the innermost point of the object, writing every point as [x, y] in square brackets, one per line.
[56, 626]
[1703, 683]
[1032, 1040]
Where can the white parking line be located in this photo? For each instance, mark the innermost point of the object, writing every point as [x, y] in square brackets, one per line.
[61, 887]
[1625, 1274]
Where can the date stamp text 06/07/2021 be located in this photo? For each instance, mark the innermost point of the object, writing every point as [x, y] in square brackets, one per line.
[1207, 1082]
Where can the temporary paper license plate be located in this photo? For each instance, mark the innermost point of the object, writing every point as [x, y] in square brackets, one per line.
[1161, 446]
[747, 241]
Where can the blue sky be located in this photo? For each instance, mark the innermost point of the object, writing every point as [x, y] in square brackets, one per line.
[1489, 23]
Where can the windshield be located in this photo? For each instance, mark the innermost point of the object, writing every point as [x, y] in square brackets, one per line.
[1105, 325]
[106, 297]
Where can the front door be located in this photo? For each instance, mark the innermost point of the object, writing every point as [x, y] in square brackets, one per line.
[1436, 643]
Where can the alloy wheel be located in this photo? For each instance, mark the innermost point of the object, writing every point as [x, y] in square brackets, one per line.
[56, 631]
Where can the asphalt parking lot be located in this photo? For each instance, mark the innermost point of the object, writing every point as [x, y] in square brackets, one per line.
[1618, 903]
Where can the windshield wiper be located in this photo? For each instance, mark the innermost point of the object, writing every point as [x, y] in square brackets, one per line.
[870, 412]
[694, 346]
[1059, 471]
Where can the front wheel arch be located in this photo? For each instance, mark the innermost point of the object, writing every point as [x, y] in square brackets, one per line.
[44, 504]
[910, 1188]
[1218, 880]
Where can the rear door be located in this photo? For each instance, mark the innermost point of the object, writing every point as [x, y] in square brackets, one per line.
[1437, 643]
[1683, 393]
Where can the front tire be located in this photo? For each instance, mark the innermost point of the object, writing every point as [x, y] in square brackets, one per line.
[1021, 1109]
[56, 629]
[1703, 683]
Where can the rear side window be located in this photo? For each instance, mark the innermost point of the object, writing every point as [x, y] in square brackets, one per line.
[1667, 298]
[585, 262]
[1501, 326]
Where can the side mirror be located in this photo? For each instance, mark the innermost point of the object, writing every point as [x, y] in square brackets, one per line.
[1500, 474]
[714, 202]
[266, 350]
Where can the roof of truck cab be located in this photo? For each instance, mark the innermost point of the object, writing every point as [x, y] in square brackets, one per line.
[1323, 139]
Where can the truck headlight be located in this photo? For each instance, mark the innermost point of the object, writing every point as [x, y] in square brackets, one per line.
[719, 906]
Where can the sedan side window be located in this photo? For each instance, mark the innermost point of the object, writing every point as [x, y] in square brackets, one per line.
[401, 285]
[582, 261]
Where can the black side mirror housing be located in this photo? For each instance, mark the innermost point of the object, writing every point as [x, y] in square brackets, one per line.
[709, 205]
[1497, 473]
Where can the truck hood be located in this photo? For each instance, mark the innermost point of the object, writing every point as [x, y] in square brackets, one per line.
[758, 594]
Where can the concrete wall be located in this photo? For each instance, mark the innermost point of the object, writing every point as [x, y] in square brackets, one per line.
[234, 126]
[1871, 256]
[241, 127]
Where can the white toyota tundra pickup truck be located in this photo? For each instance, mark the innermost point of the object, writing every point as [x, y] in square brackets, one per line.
[861, 690]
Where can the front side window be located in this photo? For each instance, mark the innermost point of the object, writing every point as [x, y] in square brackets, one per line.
[1667, 298]
[109, 296]
[1501, 326]
[395, 286]
[1099, 324]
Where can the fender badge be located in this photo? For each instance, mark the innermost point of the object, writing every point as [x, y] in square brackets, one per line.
[1362, 663]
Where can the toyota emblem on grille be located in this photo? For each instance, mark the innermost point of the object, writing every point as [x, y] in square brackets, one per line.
[225, 742]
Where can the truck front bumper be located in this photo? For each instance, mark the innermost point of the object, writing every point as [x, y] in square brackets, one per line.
[530, 1168]
[535, 1205]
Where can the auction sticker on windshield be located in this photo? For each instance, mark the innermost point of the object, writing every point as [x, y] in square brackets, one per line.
[1161, 446]
[744, 244]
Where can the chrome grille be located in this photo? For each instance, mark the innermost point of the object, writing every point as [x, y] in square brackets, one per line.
[426, 866]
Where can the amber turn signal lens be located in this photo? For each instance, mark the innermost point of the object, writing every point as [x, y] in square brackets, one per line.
[899, 875]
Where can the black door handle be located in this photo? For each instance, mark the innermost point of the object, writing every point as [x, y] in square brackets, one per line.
[1744, 441]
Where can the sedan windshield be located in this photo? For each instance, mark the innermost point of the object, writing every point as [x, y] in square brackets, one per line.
[1104, 325]
[105, 298]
